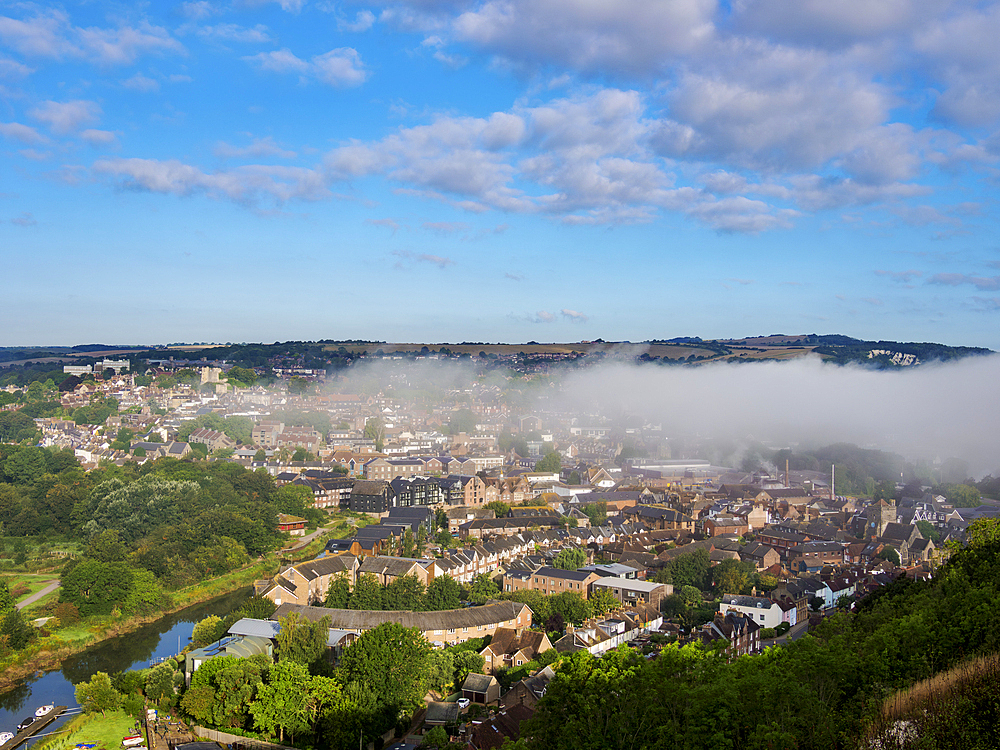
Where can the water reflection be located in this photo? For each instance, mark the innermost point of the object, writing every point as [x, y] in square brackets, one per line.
[135, 650]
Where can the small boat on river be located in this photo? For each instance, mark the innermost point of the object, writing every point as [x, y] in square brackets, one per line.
[6, 737]
[40, 712]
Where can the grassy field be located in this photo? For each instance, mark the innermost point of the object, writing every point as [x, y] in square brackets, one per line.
[104, 731]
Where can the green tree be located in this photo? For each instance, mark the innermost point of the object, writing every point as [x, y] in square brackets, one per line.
[691, 569]
[499, 508]
[375, 430]
[466, 663]
[571, 606]
[444, 592]
[404, 593]
[441, 670]
[367, 593]
[963, 496]
[603, 601]
[483, 589]
[96, 587]
[551, 462]
[338, 596]
[282, 702]
[242, 376]
[98, 695]
[570, 558]
[159, 681]
[889, 555]
[207, 631]
[15, 628]
[733, 577]
[983, 532]
[928, 531]
[596, 512]
[301, 640]
[392, 662]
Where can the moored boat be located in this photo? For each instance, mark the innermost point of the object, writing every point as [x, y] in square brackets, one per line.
[39, 712]
[6, 737]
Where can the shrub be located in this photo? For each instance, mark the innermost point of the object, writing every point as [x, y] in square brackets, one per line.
[67, 613]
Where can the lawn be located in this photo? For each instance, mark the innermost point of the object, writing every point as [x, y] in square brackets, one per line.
[104, 731]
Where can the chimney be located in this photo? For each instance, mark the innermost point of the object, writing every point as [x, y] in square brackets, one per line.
[570, 629]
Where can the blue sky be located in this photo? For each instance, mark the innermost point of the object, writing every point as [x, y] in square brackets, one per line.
[499, 170]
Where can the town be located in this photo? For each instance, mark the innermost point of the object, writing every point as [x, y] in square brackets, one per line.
[494, 527]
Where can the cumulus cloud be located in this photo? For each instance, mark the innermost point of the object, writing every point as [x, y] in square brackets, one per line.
[66, 117]
[248, 185]
[139, 82]
[574, 316]
[13, 69]
[98, 137]
[340, 67]
[50, 34]
[616, 35]
[363, 21]
[21, 133]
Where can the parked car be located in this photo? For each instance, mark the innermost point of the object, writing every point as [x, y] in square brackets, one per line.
[463, 703]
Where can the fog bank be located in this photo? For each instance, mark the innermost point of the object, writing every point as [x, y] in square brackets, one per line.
[932, 411]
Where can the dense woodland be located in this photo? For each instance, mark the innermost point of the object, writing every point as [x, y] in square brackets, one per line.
[142, 531]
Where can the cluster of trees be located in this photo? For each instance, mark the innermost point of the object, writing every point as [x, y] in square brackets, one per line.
[553, 611]
[402, 593]
[144, 530]
[380, 678]
[817, 692]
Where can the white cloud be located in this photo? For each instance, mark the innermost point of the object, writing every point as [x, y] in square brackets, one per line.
[248, 184]
[258, 147]
[574, 316]
[21, 133]
[198, 9]
[98, 137]
[609, 36]
[339, 67]
[50, 34]
[13, 69]
[142, 83]
[24, 220]
[66, 117]
[363, 21]
[231, 32]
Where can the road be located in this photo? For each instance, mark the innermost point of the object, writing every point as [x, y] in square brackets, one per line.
[38, 595]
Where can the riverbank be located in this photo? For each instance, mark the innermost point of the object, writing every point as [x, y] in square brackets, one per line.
[49, 652]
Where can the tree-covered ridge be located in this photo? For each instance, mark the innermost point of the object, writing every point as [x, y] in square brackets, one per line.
[818, 692]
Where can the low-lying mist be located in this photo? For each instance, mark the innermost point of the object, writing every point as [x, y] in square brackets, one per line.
[933, 411]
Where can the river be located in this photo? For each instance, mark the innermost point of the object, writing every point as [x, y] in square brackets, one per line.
[135, 650]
